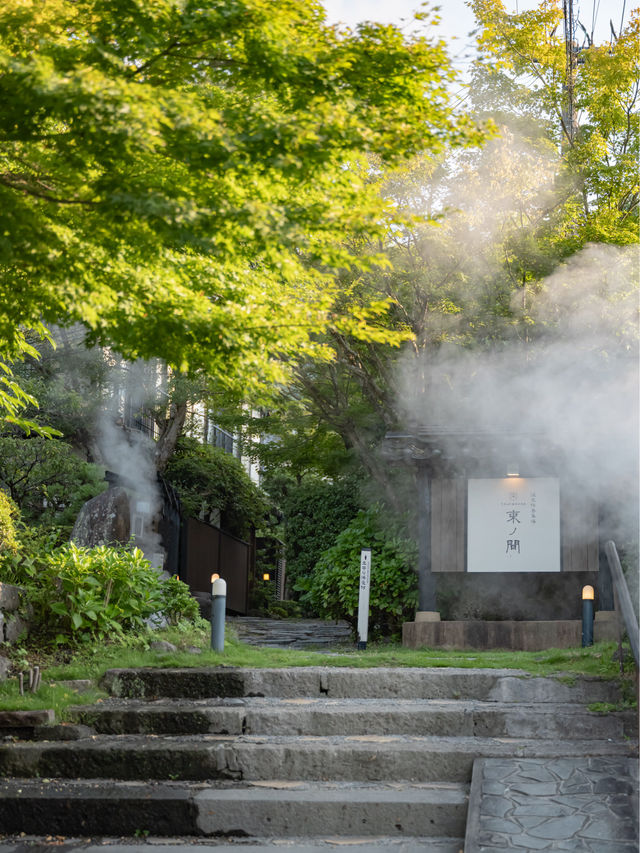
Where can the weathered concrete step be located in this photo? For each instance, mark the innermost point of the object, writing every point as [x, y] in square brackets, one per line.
[353, 758]
[293, 845]
[403, 683]
[273, 808]
[352, 717]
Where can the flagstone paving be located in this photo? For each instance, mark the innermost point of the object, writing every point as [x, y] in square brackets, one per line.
[291, 633]
[586, 804]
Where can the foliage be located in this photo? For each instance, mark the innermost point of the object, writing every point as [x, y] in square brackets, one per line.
[69, 381]
[300, 443]
[170, 171]
[177, 601]
[46, 479]
[8, 517]
[35, 543]
[14, 397]
[482, 231]
[315, 512]
[334, 588]
[523, 72]
[208, 479]
[95, 593]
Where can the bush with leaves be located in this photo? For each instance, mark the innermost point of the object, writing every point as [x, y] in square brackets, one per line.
[315, 512]
[208, 479]
[94, 593]
[334, 588]
[46, 479]
[8, 517]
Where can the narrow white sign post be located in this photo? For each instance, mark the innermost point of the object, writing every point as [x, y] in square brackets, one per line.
[363, 597]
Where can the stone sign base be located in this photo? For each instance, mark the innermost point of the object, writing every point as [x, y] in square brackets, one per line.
[517, 636]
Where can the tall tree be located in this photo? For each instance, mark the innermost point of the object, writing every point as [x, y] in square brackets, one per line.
[585, 99]
[168, 170]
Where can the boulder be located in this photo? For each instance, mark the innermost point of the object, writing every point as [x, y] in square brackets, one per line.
[5, 666]
[104, 520]
[15, 628]
[9, 596]
[162, 646]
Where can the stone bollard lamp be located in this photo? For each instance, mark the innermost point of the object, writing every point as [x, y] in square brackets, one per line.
[218, 609]
[587, 615]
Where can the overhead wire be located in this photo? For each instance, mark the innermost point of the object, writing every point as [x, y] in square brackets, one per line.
[594, 17]
[624, 4]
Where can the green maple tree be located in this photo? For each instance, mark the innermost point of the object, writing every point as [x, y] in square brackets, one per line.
[177, 176]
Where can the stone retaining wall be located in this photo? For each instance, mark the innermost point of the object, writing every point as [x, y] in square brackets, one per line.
[13, 626]
[527, 636]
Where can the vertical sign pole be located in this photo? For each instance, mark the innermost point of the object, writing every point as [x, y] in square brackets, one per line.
[363, 598]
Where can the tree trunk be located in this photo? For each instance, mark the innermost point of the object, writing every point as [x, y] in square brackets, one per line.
[169, 435]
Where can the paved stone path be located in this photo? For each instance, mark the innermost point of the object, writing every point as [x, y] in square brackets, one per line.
[291, 633]
[586, 804]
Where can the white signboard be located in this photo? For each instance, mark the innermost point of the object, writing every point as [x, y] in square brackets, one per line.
[363, 597]
[514, 525]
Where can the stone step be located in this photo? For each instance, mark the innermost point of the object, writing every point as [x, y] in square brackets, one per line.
[370, 844]
[344, 683]
[363, 758]
[275, 808]
[352, 717]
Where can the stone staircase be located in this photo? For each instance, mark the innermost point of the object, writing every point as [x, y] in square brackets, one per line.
[307, 758]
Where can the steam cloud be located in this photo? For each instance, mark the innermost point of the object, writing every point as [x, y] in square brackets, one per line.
[129, 453]
[574, 378]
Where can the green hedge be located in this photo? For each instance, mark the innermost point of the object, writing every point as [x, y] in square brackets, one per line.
[334, 589]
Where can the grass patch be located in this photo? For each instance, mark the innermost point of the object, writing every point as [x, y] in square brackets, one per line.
[92, 661]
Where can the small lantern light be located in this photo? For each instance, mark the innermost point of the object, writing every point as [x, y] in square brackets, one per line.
[266, 576]
[588, 596]
[218, 610]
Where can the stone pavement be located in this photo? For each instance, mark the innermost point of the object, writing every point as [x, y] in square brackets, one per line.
[291, 633]
[586, 804]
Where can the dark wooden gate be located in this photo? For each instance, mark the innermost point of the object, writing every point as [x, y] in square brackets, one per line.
[207, 550]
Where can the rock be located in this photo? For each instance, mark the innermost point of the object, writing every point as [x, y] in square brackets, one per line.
[104, 520]
[162, 646]
[194, 650]
[204, 603]
[9, 596]
[156, 621]
[5, 666]
[15, 628]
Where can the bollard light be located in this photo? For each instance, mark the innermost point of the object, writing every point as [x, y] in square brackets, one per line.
[588, 596]
[218, 610]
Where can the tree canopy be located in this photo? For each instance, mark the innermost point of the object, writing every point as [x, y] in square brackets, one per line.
[584, 99]
[487, 258]
[176, 176]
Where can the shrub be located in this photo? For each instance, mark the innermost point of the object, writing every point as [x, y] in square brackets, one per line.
[8, 518]
[100, 592]
[46, 479]
[208, 479]
[393, 597]
[315, 512]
